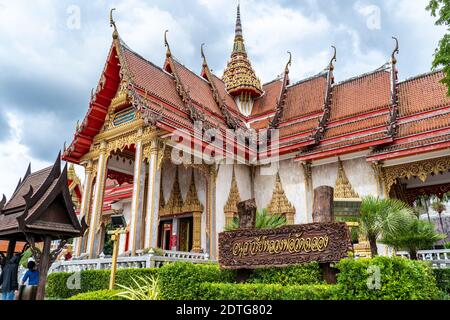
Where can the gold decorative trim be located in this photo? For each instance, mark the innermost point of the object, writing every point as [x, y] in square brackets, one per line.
[343, 188]
[192, 204]
[420, 169]
[175, 204]
[279, 204]
[233, 197]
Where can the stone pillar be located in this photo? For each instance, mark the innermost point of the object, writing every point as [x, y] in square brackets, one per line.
[137, 181]
[307, 175]
[98, 201]
[212, 236]
[153, 193]
[85, 204]
[196, 232]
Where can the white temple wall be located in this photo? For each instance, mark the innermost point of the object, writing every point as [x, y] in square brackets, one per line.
[359, 173]
[294, 186]
[223, 185]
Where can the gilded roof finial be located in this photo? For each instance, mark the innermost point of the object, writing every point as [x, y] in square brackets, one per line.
[205, 64]
[288, 64]
[333, 59]
[112, 23]
[396, 51]
[166, 44]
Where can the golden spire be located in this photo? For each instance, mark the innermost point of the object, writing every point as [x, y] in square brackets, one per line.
[192, 204]
[233, 198]
[239, 76]
[343, 189]
[175, 203]
[279, 204]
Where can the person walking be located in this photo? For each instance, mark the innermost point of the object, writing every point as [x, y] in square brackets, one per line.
[8, 278]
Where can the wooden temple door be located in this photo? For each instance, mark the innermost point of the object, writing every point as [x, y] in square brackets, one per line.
[185, 229]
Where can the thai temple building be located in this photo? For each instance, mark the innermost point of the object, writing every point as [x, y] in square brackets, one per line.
[369, 135]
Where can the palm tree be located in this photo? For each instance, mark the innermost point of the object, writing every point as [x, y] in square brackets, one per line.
[264, 220]
[381, 216]
[439, 207]
[414, 235]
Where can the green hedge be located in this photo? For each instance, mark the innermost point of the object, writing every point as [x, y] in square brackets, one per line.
[400, 279]
[97, 295]
[248, 291]
[443, 279]
[181, 280]
[309, 273]
[91, 280]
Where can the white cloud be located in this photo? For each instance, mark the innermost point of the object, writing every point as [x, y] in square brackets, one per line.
[15, 157]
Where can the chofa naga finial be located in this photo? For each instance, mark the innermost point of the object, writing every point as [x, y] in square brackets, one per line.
[396, 51]
[166, 44]
[112, 23]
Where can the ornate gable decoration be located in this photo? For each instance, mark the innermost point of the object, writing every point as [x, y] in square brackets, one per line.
[175, 204]
[343, 189]
[192, 204]
[279, 204]
[234, 197]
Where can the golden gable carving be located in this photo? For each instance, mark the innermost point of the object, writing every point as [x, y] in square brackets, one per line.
[343, 189]
[279, 204]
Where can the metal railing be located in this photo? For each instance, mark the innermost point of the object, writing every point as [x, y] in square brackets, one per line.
[438, 258]
[150, 260]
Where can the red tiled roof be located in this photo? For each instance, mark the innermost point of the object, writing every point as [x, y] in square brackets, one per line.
[198, 88]
[268, 101]
[153, 79]
[424, 122]
[305, 98]
[422, 94]
[361, 95]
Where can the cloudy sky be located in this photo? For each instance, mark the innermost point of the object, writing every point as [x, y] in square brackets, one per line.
[52, 52]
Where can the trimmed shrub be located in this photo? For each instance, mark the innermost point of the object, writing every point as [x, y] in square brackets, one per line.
[309, 273]
[97, 295]
[228, 291]
[181, 280]
[443, 279]
[400, 279]
[91, 280]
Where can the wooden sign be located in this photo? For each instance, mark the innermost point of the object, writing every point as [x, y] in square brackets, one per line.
[289, 245]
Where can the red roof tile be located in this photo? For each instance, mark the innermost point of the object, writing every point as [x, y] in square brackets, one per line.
[357, 96]
[268, 101]
[198, 88]
[305, 98]
[422, 94]
[153, 79]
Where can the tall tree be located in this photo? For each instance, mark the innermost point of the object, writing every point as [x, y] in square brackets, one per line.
[440, 9]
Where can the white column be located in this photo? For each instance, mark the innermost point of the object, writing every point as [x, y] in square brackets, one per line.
[85, 204]
[152, 206]
[98, 201]
[137, 177]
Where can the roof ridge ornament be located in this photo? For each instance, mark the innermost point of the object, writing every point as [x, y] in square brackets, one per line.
[166, 44]
[333, 59]
[289, 63]
[205, 64]
[112, 24]
[396, 51]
